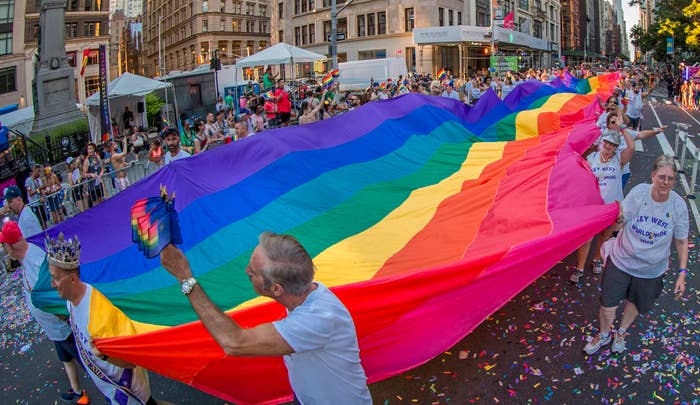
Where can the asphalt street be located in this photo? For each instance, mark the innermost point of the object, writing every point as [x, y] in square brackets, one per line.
[529, 351]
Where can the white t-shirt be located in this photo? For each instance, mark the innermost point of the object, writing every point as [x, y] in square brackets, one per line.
[325, 368]
[634, 107]
[55, 328]
[609, 175]
[28, 223]
[136, 379]
[506, 89]
[453, 94]
[181, 154]
[643, 247]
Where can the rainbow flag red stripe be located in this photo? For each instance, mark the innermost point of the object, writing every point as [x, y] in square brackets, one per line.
[441, 74]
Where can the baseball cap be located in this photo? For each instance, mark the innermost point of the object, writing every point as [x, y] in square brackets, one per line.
[69, 160]
[245, 111]
[12, 192]
[10, 233]
[612, 137]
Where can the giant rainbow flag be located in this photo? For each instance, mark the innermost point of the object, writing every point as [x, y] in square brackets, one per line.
[423, 215]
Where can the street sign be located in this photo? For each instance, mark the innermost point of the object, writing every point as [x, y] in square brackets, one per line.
[340, 36]
[669, 46]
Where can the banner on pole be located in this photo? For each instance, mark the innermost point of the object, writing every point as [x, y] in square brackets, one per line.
[105, 121]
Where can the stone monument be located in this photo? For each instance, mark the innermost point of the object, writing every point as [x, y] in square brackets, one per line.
[54, 79]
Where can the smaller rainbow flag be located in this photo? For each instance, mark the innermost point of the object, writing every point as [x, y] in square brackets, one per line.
[335, 73]
[269, 95]
[382, 86]
[86, 57]
[441, 74]
[328, 80]
[154, 224]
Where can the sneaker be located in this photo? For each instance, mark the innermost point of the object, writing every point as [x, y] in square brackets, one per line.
[595, 343]
[597, 266]
[576, 276]
[72, 397]
[618, 345]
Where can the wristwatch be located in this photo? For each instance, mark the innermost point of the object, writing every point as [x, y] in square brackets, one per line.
[187, 285]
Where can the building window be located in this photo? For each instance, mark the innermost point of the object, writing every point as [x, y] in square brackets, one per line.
[6, 43]
[450, 17]
[250, 8]
[524, 4]
[459, 18]
[250, 47]
[341, 27]
[90, 29]
[280, 10]
[263, 10]
[304, 35]
[280, 36]
[312, 33]
[205, 25]
[371, 54]
[250, 26]
[71, 58]
[223, 7]
[297, 36]
[410, 19]
[93, 57]
[441, 17]
[381, 22]
[262, 27]
[304, 6]
[371, 25]
[7, 11]
[236, 25]
[92, 85]
[222, 25]
[297, 6]
[205, 6]
[263, 44]
[361, 28]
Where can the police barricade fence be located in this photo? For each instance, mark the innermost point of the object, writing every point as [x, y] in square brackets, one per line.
[687, 155]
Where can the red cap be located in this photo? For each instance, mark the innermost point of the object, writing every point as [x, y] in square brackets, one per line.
[10, 233]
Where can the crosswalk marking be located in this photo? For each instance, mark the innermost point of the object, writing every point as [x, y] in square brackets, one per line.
[638, 146]
[653, 100]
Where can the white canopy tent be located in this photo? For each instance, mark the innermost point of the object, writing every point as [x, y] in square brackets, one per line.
[280, 53]
[126, 90]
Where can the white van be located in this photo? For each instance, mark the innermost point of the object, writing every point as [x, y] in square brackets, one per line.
[357, 74]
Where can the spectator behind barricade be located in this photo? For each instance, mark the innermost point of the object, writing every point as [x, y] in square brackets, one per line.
[201, 138]
[52, 195]
[245, 117]
[310, 113]
[450, 92]
[228, 100]
[259, 121]
[172, 143]
[187, 136]
[75, 189]
[28, 222]
[118, 162]
[127, 118]
[268, 79]
[220, 105]
[211, 130]
[34, 186]
[221, 126]
[241, 130]
[155, 155]
[93, 170]
[284, 106]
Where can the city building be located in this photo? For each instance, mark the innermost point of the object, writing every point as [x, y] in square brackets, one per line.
[126, 44]
[86, 28]
[15, 84]
[186, 33]
[429, 35]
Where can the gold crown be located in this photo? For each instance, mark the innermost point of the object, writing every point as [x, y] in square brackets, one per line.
[62, 253]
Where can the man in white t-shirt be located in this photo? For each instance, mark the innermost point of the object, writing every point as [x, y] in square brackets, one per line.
[450, 92]
[121, 382]
[34, 185]
[635, 104]
[28, 222]
[172, 142]
[56, 329]
[317, 338]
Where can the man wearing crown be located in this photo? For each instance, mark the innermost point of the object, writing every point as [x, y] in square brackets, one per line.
[58, 330]
[121, 382]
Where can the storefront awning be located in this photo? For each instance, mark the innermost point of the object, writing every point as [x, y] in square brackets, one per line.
[469, 33]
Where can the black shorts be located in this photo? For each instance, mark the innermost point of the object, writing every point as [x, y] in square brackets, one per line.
[284, 117]
[66, 349]
[618, 285]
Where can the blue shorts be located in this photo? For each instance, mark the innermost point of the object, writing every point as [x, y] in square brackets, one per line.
[66, 349]
[625, 177]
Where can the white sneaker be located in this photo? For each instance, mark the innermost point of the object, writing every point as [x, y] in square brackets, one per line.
[597, 266]
[576, 276]
[618, 345]
[595, 343]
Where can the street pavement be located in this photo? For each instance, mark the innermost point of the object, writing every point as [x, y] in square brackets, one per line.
[529, 351]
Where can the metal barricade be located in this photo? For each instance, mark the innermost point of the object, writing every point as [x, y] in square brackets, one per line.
[54, 208]
[687, 149]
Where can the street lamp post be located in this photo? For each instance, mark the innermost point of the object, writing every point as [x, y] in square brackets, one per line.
[334, 31]
[161, 68]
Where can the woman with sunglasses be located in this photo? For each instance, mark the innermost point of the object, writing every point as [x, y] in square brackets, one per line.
[651, 217]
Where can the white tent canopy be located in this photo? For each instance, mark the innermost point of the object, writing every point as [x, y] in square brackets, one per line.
[127, 90]
[280, 53]
[129, 84]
